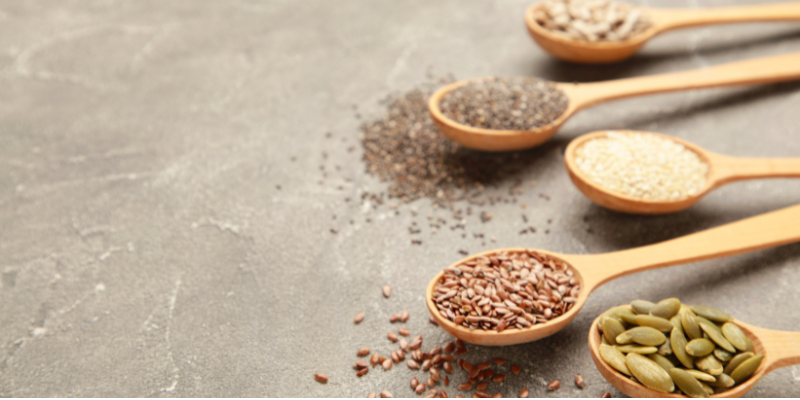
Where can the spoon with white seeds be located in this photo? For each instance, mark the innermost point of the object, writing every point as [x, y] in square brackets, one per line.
[451, 293]
[663, 19]
[619, 170]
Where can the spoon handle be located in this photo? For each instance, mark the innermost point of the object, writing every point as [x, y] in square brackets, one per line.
[767, 230]
[667, 19]
[728, 169]
[779, 68]
[782, 348]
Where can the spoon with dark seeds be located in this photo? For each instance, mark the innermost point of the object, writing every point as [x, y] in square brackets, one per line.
[502, 114]
[588, 271]
[779, 349]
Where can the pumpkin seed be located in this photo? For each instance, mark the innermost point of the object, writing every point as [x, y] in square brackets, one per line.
[643, 335]
[642, 307]
[690, 325]
[735, 336]
[700, 376]
[662, 361]
[711, 313]
[667, 308]
[711, 324]
[627, 315]
[709, 390]
[709, 364]
[717, 337]
[614, 358]
[604, 341]
[676, 322]
[611, 329]
[634, 348]
[736, 361]
[699, 347]
[745, 369]
[665, 349]
[678, 342]
[722, 355]
[687, 383]
[723, 381]
[649, 373]
[615, 313]
[659, 323]
[750, 347]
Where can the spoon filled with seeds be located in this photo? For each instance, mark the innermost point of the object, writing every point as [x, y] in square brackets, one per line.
[500, 114]
[675, 350]
[510, 296]
[603, 31]
[649, 173]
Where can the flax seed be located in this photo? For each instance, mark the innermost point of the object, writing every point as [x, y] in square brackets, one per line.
[524, 393]
[446, 380]
[392, 336]
[499, 378]
[387, 291]
[404, 316]
[449, 347]
[385, 394]
[499, 361]
[395, 358]
[360, 364]
[320, 377]
[387, 364]
[460, 351]
[554, 385]
[579, 381]
[412, 364]
[359, 317]
[403, 331]
[483, 394]
[362, 372]
[363, 351]
[483, 366]
[443, 394]
[460, 343]
[482, 386]
[467, 366]
[515, 369]
[473, 373]
[374, 359]
[430, 381]
[605, 395]
[465, 386]
[488, 373]
[447, 367]
[394, 318]
[419, 388]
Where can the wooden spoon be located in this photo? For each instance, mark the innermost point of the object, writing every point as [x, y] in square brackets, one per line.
[581, 95]
[722, 169]
[663, 19]
[763, 231]
[780, 349]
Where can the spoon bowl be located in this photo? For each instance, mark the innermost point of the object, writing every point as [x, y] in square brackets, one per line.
[584, 52]
[591, 271]
[582, 95]
[780, 349]
[721, 170]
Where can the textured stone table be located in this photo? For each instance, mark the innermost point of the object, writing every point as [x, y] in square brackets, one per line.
[146, 249]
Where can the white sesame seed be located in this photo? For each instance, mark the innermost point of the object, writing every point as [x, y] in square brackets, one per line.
[644, 166]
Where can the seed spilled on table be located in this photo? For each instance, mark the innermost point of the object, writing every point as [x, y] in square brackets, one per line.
[505, 103]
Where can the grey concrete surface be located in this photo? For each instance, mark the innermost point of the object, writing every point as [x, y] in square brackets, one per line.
[147, 250]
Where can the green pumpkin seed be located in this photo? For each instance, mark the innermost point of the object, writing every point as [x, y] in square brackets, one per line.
[678, 342]
[746, 369]
[642, 307]
[700, 376]
[667, 308]
[711, 313]
[699, 347]
[711, 324]
[635, 348]
[627, 315]
[717, 337]
[736, 361]
[676, 322]
[643, 335]
[690, 325]
[658, 323]
[750, 347]
[735, 336]
[709, 364]
[614, 358]
[613, 313]
[604, 341]
[649, 373]
[722, 355]
[611, 329]
[709, 390]
[662, 361]
[665, 349]
[687, 383]
[723, 381]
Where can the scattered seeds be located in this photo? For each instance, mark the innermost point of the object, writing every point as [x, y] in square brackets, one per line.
[404, 316]
[385, 394]
[387, 364]
[403, 331]
[387, 291]
[374, 359]
[554, 385]
[605, 395]
[363, 351]
[320, 377]
[523, 393]
[371, 395]
[516, 369]
[579, 381]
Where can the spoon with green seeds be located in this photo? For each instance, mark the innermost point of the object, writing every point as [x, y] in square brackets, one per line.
[659, 373]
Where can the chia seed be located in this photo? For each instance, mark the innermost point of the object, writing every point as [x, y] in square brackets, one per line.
[505, 103]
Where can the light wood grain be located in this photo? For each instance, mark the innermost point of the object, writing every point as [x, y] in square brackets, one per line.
[664, 19]
[780, 349]
[771, 69]
[722, 170]
[763, 231]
